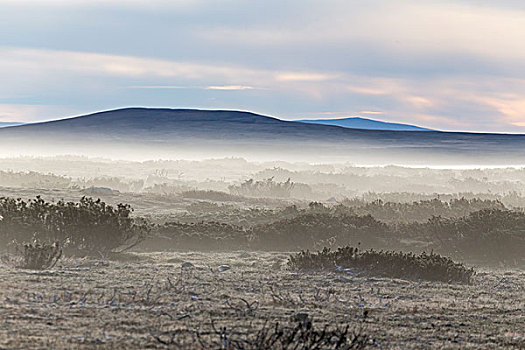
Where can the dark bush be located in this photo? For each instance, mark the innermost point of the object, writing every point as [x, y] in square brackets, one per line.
[489, 235]
[205, 236]
[88, 225]
[308, 231]
[431, 267]
[421, 211]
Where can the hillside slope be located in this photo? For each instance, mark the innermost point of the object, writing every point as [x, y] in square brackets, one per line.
[6, 124]
[364, 123]
[172, 133]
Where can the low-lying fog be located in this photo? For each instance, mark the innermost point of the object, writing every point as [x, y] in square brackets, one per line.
[322, 181]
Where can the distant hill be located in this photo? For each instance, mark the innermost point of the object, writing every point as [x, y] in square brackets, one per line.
[151, 133]
[6, 124]
[365, 123]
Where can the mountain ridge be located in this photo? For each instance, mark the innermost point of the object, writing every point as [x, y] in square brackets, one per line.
[365, 123]
[259, 118]
[166, 132]
[8, 124]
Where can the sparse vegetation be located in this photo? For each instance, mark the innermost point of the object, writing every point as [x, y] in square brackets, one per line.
[212, 273]
[300, 336]
[32, 179]
[264, 188]
[114, 183]
[88, 303]
[488, 236]
[211, 195]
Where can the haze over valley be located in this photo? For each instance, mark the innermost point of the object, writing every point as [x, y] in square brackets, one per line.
[261, 175]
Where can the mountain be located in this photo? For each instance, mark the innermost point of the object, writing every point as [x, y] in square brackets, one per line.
[149, 133]
[6, 124]
[365, 123]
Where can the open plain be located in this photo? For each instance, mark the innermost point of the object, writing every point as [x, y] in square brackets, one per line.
[149, 300]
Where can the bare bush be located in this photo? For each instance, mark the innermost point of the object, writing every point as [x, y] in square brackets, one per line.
[264, 188]
[41, 256]
[300, 336]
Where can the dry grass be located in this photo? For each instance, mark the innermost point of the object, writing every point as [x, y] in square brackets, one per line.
[129, 303]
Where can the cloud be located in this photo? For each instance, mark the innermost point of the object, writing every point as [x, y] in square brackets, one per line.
[230, 87]
[161, 87]
[12, 112]
[443, 120]
[304, 77]
[79, 81]
[367, 90]
[132, 3]
[420, 102]
[41, 60]
[174, 87]
[119, 65]
[30, 113]
[371, 112]
[512, 109]
[51, 66]
[397, 29]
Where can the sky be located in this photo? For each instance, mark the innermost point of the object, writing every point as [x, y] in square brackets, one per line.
[454, 65]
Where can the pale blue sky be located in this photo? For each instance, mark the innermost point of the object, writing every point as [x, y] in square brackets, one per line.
[451, 65]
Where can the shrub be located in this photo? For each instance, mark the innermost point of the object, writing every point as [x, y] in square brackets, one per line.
[264, 188]
[205, 235]
[431, 267]
[306, 231]
[421, 211]
[490, 235]
[88, 225]
[114, 183]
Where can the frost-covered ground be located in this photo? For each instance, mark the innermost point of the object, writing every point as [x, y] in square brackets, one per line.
[147, 299]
